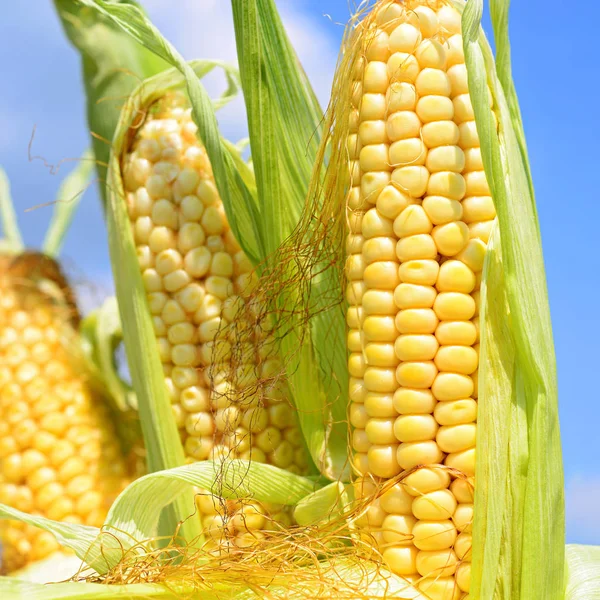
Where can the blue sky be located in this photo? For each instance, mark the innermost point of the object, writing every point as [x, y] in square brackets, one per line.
[556, 73]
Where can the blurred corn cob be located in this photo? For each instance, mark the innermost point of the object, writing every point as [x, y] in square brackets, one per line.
[216, 353]
[60, 456]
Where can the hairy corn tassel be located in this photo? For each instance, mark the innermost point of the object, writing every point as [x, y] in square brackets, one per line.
[225, 396]
[59, 453]
[420, 216]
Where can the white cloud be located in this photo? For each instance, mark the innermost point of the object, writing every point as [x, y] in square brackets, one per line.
[186, 28]
[583, 509]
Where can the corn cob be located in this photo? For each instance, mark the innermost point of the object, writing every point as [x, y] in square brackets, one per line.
[226, 397]
[420, 216]
[59, 453]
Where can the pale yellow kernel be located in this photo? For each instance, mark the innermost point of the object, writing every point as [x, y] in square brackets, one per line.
[354, 340]
[358, 415]
[161, 238]
[397, 529]
[473, 160]
[221, 287]
[421, 272]
[464, 492]
[442, 210]
[468, 135]
[391, 202]
[403, 67]
[457, 359]
[410, 151]
[353, 120]
[379, 302]
[207, 192]
[355, 267]
[439, 588]
[379, 249]
[456, 438]
[373, 516]
[373, 107]
[416, 320]
[452, 386]
[426, 480]
[463, 518]
[176, 280]
[448, 184]
[432, 82]
[477, 185]
[426, 19]
[382, 275]
[401, 560]
[355, 317]
[431, 54]
[454, 306]
[380, 380]
[379, 405]
[360, 462]
[408, 295]
[356, 365]
[383, 461]
[463, 109]
[152, 281]
[414, 454]
[380, 431]
[454, 50]
[402, 125]
[357, 390]
[416, 247]
[374, 157]
[404, 38]
[376, 77]
[463, 576]
[412, 180]
[360, 441]
[450, 238]
[419, 375]
[164, 213]
[435, 108]
[445, 158]
[413, 220]
[374, 224]
[210, 308]
[377, 45]
[191, 235]
[221, 264]
[353, 146]
[213, 220]
[434, 535]
[388, 16]
[458, 79]
[396, 500]
[417, 347]
[354, 243]
[168, 261]
[437, 563]
[456, 333]
[413, 401]
[401, 96]
[145, 257]
[473, 255]
[434, 506]
[355, 292]
[455, 276]
[184, 355]
[463, 544]
[372, 184]
[197, 261]
[481, 231]
[415, 428]
[462, 461]
[478, 208]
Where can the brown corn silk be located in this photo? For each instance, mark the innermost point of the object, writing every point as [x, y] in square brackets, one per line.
[228, 396]
[419, 216]
[60, 456]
